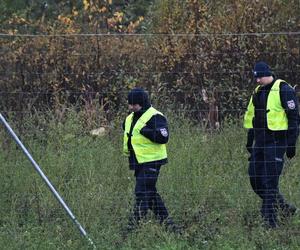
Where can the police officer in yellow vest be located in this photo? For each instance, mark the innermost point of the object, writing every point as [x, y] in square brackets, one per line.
[145, 136]
[272, 118]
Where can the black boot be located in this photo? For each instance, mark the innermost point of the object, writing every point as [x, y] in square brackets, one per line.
[288, 211]
[172, 227]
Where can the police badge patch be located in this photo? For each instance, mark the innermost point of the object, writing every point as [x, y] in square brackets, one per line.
[291, 104]
[164, 132]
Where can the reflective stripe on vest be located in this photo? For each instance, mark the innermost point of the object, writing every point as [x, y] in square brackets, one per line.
[145, 150]
[276, 117]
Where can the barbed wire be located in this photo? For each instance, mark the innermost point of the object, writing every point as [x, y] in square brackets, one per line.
[220, 110]
[198, 89]
[202, 54]
[125, 92]
[208, 72]
[4, 52]
[279, 33]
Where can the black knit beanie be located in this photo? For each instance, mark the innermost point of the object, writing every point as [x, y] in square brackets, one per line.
[261, 69]
[138, 96]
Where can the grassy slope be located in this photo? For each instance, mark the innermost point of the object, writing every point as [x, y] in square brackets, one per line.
[205, 186]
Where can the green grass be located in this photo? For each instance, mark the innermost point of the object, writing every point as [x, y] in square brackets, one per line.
[205, 187]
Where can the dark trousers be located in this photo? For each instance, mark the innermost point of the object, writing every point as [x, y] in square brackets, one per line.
[266, 163]
[147, 197]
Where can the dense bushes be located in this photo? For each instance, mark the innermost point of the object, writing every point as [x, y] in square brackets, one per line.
[195, 55]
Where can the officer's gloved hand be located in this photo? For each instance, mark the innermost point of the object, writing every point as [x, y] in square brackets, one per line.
[249, 149]
[291, 151]
[250, 138]
[249, 146]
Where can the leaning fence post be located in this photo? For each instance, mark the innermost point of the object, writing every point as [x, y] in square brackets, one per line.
[46, 180]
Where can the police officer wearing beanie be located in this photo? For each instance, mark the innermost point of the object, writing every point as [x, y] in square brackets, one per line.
[145, 136]
[272, 118]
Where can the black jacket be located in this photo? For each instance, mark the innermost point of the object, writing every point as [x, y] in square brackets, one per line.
[156, 130]
[260, 132]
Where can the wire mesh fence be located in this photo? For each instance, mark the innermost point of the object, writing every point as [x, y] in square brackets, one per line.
[56, 89]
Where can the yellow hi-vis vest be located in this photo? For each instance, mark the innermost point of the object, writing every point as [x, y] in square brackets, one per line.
[145, 150]
[276, 117]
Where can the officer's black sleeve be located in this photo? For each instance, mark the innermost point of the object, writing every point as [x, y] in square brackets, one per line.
[289, 102]
[156, 129]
